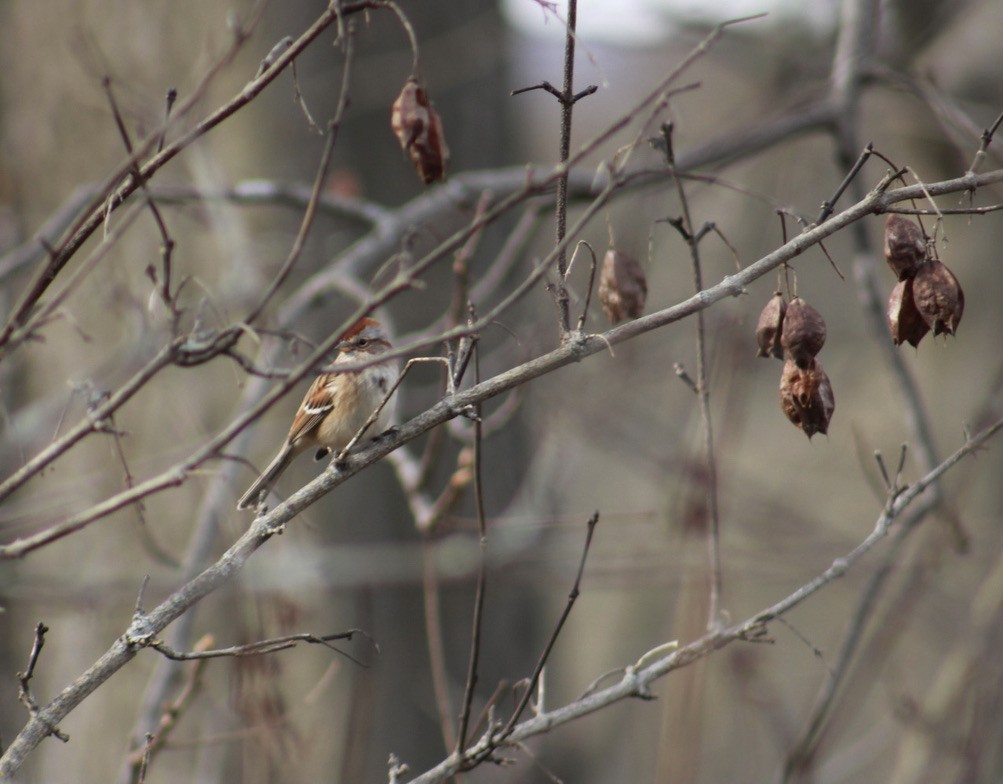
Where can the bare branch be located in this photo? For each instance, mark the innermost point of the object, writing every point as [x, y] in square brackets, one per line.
[24, 679]
[636, 680]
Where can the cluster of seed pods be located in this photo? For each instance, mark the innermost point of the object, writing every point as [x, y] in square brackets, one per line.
[927, 295]
[795, 333]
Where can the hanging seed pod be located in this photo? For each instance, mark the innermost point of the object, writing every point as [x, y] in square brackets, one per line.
[803, 334]
[419, 131]
[770, 327]
[806, 397]
[905, 248]
[623, 287]
[904, 320]
[938, 297]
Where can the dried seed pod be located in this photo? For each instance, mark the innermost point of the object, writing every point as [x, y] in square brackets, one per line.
[770, 326]
[623, 287]
[905, 248]
[419, 131]
[806, 397]
[904, 320]
[938, 297]
[803, 334]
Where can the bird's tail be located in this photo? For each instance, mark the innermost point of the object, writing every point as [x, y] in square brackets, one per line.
[264, 482]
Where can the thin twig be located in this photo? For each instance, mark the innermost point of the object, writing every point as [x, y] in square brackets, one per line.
[481, 586]
[318, 185]
[24, 694]
[93, 422]
[167, 248]
[434, 636]
[802, 750]
[987, 139]
[588, 291]
[829, 204]
[112, 195]
[139, 760]
[261, 647]
[171, 98]
[411, 37]
[561, 217]
[144, 762]
[702, 385]
[590, 527]
[146, 538]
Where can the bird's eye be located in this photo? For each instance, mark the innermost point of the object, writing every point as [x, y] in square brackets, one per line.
[362, 342]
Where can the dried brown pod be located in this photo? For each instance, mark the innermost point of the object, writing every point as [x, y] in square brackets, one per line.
[770, 326]
[806, 397]
[623, 287]
[905, 247]
[938, 297]
[419, 131]
[803, 334]
[904, 320]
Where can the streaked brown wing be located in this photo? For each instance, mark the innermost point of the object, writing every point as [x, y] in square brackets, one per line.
[315, 406]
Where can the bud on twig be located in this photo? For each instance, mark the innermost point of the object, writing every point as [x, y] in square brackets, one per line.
[623, 287]
[419, 131]
[905, 248]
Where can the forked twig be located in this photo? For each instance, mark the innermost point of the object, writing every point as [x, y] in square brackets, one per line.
[262, 647]
[167, 249]
[530, 689]
[318, 184]
[24, 694]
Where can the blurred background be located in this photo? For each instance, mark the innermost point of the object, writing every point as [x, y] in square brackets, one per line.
[619, 433]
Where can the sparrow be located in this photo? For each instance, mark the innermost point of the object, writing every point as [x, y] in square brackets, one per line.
[337, 404]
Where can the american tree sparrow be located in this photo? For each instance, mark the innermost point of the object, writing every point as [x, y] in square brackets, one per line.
[337, 404]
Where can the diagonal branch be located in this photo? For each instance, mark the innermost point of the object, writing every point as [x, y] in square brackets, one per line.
[637, 679]
[264, 527]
